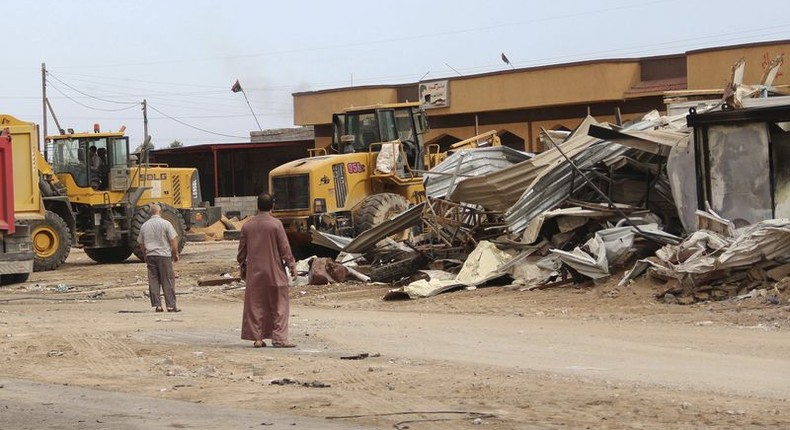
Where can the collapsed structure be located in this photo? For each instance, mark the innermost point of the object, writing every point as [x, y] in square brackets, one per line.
[605, 195]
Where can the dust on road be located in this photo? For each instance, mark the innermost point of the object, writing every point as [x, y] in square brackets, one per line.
[602, 357]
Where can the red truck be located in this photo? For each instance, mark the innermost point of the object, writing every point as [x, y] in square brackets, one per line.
[16, 243]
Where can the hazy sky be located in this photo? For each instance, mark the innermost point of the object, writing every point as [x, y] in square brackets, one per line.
[106, 56]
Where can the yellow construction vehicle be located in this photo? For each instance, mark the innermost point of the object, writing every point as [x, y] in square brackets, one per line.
[89, 186]
[47, 215]
[371, 172]
[16, 245]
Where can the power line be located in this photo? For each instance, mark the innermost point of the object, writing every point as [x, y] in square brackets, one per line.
[129, 107]
[198, 95]
[192, 126]
[84, 94]
[87, 106]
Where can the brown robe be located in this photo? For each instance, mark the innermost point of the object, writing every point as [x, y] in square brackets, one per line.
[263, 253]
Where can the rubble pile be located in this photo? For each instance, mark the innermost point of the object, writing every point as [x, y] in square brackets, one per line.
[225, 228]
[711, 266]
[660, 191]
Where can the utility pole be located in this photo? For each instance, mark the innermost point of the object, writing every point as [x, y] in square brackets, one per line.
[145, 120]
[44, 106]
[146, 137]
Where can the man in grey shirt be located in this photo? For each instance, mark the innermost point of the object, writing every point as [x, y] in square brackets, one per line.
[159, 242]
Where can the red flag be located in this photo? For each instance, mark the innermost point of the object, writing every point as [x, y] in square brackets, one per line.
[236, 87]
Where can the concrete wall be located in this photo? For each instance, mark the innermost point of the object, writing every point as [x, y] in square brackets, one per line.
[531, 88]
[523, 100]
[245, 206]
[519, 89]
[712, 68]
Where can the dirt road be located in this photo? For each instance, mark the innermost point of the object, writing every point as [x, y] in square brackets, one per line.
[82, 348]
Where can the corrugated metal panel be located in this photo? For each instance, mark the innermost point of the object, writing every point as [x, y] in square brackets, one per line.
[654, 141]
[369, 238]
[501, 189]
[469, 163]
[552, 185]
[328, 240]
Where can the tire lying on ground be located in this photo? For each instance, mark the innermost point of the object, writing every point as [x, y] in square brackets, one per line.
[196, 237]
[169, 213]
[51, 241]
[378, 208]
[231, 234]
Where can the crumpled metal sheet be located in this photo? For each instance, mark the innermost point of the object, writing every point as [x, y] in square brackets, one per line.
[368, 239]
[499, 190]
[328, 240]
[658, 141]
[551, 185]
[764, 241]
[608, 247]
[441, 180]
[705, 251]
[483, 264]
[534, 226]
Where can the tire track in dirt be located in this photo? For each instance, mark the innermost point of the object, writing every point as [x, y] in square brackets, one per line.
[385, 381]
[101, 352]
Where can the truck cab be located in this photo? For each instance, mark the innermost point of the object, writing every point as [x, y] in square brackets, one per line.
[16, 243]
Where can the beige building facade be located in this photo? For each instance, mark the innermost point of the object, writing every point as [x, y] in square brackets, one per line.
[518, 103]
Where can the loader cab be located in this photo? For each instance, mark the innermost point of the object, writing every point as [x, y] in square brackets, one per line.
[356, 129]
[98, 161]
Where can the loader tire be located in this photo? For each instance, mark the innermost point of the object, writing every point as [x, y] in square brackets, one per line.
[196, 237]
[378, 208]
[169, 214]
[114, 254]
[51, 241]
[13, 278]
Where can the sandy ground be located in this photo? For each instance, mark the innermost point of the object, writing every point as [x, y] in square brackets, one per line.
[81, 348]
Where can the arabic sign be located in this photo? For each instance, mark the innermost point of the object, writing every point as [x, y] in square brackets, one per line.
[434, 94]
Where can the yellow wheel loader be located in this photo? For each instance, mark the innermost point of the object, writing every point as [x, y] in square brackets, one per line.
[85, 190]
[110, 194]
[370, 173]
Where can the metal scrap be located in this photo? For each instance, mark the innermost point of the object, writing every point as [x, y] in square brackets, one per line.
[441, 180]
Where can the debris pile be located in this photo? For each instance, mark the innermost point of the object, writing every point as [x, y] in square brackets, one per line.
[498, 201]
[660, 191]
[224, 229]
[711, 266]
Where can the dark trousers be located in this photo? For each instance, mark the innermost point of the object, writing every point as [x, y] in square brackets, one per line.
[161, 275]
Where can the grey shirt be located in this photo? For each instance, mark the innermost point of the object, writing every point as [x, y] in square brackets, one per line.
[155, 236]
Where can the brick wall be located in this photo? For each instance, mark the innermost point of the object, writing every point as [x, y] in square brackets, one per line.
[238, 206]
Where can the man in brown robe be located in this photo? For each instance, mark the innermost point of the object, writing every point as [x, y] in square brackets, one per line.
[263, 254]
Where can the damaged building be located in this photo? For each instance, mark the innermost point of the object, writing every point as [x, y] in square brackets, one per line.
[669, 191]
